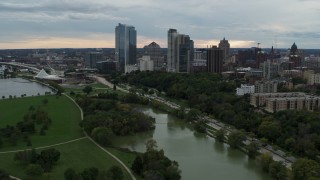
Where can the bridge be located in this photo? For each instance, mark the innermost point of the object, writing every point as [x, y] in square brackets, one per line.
[26, 66]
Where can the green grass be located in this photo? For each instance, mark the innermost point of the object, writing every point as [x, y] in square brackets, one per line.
[65, 117]
[126, 157]
[77, 155]
[64, 114]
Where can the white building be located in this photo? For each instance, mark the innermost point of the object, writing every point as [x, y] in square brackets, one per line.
[146, 64]
[245, 89]
[130, 68]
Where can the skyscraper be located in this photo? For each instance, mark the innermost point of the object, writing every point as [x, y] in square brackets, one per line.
[214, 59]
[180, 52]
[225, 46]
[126, 45]
[172, 50]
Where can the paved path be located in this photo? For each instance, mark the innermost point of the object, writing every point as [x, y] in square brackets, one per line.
[43, 147]
[103, 149]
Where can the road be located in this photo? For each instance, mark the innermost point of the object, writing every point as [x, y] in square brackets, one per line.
[276, 155]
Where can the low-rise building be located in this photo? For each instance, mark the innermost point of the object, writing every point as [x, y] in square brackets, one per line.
[146, 64]
[266, 87]
[245, 89]
[259, 99]
[309, 103]
[274, 102]
[130, 68]
[311, 77]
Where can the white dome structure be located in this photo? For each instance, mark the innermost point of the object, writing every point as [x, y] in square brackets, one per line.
[43, 75]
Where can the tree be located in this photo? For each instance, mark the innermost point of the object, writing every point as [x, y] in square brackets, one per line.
[265, 160]
[304, 169]
[90, 173]
[87, 89]
[151, 145]
[236, 138]
[137, 165]
[45, 101]
[193, 114]
[270, 130]
[115, 173]
[34, 170]
[277, 170]
[70, 174]
[102, 135]
[252, 149]
[220, 135]
[48, 158]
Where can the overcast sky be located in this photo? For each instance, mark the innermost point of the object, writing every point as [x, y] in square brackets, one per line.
[91, 23]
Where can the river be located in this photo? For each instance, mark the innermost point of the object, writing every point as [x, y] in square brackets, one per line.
[18, 86]
[199, 156]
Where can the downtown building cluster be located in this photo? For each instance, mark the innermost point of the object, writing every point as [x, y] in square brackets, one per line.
[181, 56]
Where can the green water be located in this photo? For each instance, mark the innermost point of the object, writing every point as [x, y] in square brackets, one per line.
[199, 156]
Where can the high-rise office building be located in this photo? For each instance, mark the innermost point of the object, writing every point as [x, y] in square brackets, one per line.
[214, 59]
[180, 52]
[126, 45]
[225, 46]
[154, 51]
[172, 50]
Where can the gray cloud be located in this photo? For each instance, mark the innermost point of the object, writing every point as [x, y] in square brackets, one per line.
[248, 20]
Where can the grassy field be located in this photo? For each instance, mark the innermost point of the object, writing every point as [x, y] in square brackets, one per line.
[77, 155]
[64, 114]
[65, 126]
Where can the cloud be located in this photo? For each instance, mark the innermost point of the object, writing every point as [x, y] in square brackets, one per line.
[243, 23]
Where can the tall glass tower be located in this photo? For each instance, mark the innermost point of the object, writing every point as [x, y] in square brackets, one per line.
[126, 45]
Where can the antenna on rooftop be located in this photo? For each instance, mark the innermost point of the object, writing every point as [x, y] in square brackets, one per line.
[258, 44]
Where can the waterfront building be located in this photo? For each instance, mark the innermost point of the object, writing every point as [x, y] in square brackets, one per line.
[245, 89]
[214, 60]
[92, 58]
[126, 45]
[154, 51]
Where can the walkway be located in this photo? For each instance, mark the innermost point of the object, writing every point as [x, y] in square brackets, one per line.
[43, 147]
[103, 149]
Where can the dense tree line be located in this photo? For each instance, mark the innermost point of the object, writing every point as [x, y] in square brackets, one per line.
[295, 131]
[106, 116]
[36, 163]
[23, 129]
[153, 164]
[93, 173]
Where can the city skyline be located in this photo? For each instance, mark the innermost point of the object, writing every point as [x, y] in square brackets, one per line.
[82, 24]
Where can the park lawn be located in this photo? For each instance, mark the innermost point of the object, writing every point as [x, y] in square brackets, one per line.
[77, 155]
[64, 114]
